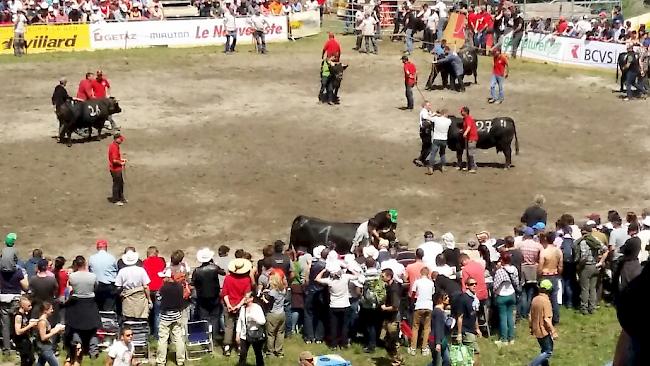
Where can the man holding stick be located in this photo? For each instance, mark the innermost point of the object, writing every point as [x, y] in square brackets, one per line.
[410, 80]
[470, 134]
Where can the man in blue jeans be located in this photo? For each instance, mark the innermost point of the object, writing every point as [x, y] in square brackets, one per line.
[499, 75]
[541, 324]
[230, 25]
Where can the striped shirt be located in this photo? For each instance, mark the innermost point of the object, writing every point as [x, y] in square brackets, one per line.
[170, 316]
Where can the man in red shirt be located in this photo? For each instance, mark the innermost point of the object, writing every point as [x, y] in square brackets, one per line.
[410, 78]
[154, 264]
[473, 269]
[332, 48]
[562, 25]
[499, 75]
[115, 166]
[101, 89]
[470, 134]
[85, 90]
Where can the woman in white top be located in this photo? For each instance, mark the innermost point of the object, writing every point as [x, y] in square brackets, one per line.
[338, 284]
[250, 330]
[506, 284]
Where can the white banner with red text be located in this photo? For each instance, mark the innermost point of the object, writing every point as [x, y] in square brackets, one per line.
[180, 33]
[565, 50]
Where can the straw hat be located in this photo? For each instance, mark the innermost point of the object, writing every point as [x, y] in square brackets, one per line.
[239, 266]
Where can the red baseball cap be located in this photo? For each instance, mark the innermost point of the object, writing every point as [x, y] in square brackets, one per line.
[101, 244]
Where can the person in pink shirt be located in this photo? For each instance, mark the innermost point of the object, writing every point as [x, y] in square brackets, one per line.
[413, 269]
[530, 250]
[474, 269]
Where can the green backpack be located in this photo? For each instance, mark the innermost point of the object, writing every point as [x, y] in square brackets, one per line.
[374, 293]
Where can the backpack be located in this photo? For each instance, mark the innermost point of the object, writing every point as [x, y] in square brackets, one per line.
[569, 248]
[373, 294]
[461, 355]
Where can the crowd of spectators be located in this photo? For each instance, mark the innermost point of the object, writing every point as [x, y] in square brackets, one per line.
[97, 11]
[82, 11]
[320, 295]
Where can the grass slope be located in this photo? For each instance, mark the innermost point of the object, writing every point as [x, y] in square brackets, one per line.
[583, 341]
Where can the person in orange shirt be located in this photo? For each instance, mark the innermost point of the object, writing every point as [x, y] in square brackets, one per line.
[116, 166]
[275, 7]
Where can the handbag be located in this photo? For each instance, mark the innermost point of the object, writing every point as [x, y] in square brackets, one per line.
[460, 355]
[253, 335]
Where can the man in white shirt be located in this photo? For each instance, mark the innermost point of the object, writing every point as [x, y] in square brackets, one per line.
[361, 237]
[358, 20]
[431, 249]
[425, 133]
[259, 24]
[368, 32]
[583, 26]
[442, 15]
[20, 27]
[120, 353]
[441, 123]
[644, 235]
[399, 272]
[423, 289]
[231, 31]
[431, 29]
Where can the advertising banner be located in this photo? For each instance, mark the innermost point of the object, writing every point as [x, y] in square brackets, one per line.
[48, 38]
[180, 33]
[303, 24]
[569, 51]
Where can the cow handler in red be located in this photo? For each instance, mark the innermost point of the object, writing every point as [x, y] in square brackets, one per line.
[101, 89]
[470, 135]
[85, 90]
[116, 166]
[410, 79]
[331, 48]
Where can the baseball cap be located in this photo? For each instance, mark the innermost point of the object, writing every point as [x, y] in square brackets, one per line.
[10, 239]
[546, 285]
[528, 231]
[393, 215]
[539, 226]
[101, 243]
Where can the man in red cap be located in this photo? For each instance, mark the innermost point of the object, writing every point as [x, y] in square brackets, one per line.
[104, 266]
[116, 166]
[332, 48]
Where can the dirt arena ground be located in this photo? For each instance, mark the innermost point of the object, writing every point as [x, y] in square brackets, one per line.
[229, 149]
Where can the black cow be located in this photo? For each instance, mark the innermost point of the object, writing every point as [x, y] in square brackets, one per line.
[310, 232]
[336, 77]
[497, 132]
[470, 67]
[87, 114]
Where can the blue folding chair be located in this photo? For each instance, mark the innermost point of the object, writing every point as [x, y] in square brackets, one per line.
[199, 340]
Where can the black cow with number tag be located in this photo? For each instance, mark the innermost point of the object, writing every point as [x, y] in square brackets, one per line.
[496, 132]
[88, 114]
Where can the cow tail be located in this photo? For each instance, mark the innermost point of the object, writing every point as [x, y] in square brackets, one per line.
[617, 67]
[514, 127]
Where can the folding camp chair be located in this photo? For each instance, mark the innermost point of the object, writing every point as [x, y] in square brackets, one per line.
[109, 330]
[140, 339]
[199, 340]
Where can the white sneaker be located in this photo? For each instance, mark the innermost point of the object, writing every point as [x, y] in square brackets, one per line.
[426, 352]
[119, 203]
[512, 342]
[411, 351]
[500, 343]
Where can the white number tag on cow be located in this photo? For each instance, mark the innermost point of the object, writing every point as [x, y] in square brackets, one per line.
[94, 111]
[484, 125]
